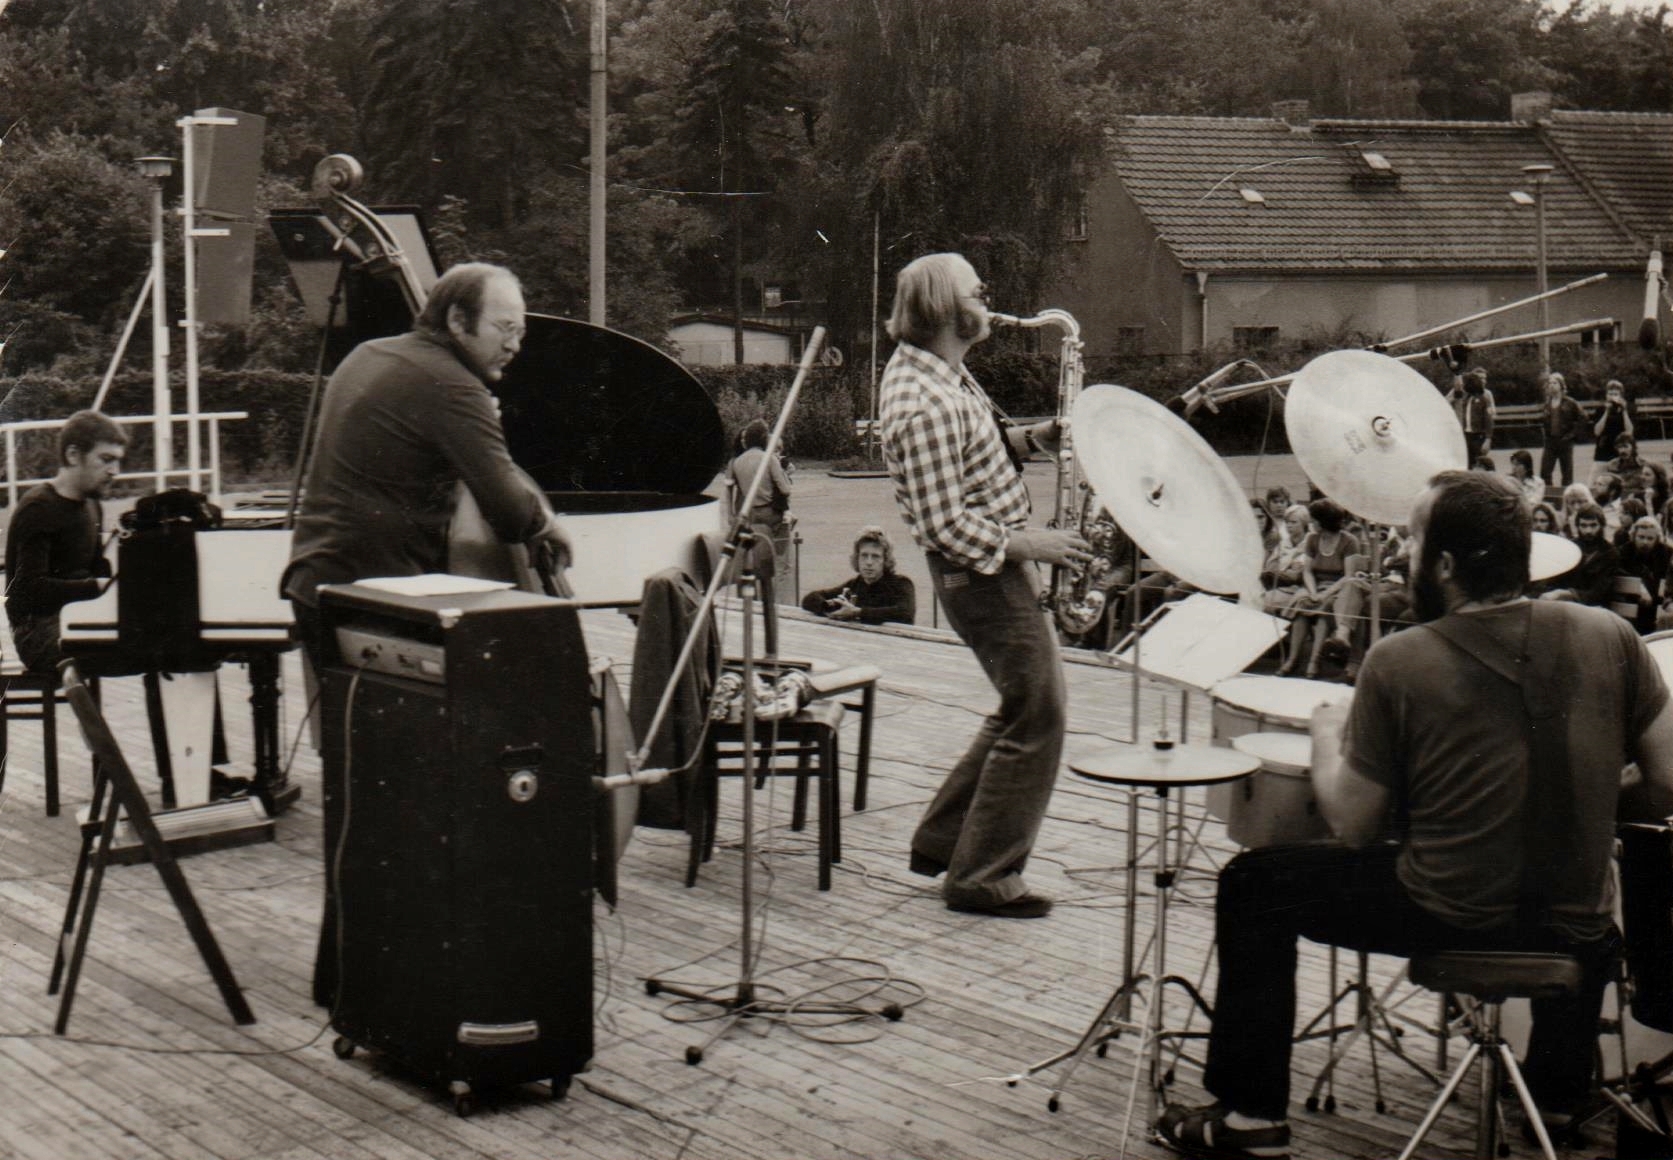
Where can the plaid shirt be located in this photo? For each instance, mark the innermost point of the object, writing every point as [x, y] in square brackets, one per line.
[957, 489]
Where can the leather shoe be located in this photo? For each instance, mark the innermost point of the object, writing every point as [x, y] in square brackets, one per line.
[1028, 905]
[925, 865]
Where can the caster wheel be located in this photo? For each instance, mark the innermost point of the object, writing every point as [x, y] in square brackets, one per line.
[342, 1047]
[893, 1012]
[1330, 1103]
[1053, 1104]
[1103, 1050]
[560, 1086]
[694, 1055]
[1312, 1103]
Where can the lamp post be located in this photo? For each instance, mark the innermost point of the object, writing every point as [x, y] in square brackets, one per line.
[1539, 174]
[159, 170]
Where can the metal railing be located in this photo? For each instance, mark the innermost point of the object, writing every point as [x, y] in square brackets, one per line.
[10, 431]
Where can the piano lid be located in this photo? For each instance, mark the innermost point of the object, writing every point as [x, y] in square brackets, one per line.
[585, 408]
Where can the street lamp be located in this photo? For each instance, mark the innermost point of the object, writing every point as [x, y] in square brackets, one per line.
[159, 170]
[1538, 175]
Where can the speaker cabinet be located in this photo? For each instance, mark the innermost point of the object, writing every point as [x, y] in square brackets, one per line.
[459, 808]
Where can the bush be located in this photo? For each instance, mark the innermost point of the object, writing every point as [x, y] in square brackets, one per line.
[822, 426]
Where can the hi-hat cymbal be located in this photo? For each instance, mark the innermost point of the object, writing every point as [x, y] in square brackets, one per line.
[1551, 556]
[1167, 489]
[1165, 765]
[1370, 431]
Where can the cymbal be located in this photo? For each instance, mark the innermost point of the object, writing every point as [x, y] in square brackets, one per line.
[1551, 556]
[1167, 489]
[1370, 431]
[1161, 769]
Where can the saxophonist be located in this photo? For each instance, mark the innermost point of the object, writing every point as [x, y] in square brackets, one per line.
[958, 481]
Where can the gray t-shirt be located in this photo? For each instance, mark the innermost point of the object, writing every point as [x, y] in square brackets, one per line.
[1451, 741]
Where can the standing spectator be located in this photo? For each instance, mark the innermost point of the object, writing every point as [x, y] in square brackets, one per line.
[1615, 421]
[1625, 462]
[1561, 427]
[1522, 471]
[875, 594]
[768, 518]
[1472, 402]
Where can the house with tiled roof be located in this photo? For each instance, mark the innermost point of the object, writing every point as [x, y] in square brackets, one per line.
[1233, 232]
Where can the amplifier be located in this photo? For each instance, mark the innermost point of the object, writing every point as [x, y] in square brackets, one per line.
[458, 764]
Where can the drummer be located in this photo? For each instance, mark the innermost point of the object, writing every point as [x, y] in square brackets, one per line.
[1438, 749]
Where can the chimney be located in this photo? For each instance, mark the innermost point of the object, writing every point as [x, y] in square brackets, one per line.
[1295, 114]
[1530, 107]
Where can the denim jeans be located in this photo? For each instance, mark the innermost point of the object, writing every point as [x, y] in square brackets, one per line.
[1553, 456]
[1351, 898]
[984, 819]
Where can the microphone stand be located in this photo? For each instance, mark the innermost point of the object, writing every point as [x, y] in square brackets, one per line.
[742, 1002]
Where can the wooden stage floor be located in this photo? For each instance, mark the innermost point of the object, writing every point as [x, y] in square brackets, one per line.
[154, 1068]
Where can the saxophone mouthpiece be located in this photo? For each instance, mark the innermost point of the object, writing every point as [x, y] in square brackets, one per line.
[997, 319]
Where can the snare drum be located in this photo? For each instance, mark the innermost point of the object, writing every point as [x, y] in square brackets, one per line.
[1275, 804]
[1265, 705]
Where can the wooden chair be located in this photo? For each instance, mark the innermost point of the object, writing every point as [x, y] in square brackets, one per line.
[29, 696]
[809, 740]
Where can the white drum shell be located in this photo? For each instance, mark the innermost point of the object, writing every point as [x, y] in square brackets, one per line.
[1244, 705]
[1275, 804]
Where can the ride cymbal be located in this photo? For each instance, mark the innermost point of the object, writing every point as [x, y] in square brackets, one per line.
[1167, 489]
[1370, 432]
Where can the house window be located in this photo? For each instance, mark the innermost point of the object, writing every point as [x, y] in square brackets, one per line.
[772, 297]
[1077, 220]
[1254, 338]
[1129, 340]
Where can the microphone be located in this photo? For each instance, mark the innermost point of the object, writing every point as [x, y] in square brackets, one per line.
[1202, 394]
[1649, 329]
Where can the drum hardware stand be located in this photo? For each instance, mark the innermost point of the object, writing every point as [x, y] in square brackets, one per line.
[743, 1002]
[1370, 1008]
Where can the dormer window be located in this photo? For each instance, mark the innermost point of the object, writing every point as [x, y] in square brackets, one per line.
[1371, 168]
[1377, 162]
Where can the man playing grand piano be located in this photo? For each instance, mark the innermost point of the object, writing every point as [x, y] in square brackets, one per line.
[53, 549]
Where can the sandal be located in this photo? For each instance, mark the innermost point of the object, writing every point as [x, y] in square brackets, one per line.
[1203, 1133]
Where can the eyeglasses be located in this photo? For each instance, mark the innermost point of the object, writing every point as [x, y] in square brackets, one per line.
[514, 330]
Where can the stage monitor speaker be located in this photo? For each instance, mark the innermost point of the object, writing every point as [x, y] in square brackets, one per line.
[461, 800]
[226, 161]
[224, 269]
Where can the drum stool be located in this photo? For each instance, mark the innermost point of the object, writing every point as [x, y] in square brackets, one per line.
[1491, 977]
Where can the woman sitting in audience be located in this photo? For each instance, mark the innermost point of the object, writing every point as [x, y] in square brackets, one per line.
[1522, 471]
[1650, 486]
[1282, 574]
[1593, 579]
[1545, 520]
[1632, 510]
[1323, 565]
[1644, 559]
[1575, 497]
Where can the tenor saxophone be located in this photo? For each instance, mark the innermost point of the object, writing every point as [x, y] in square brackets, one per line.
[1074, 597]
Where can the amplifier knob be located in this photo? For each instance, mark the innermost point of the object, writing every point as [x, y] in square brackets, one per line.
[522, 785]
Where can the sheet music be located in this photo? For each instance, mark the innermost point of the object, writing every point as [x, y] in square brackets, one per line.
[433, 584]
[1202, 640]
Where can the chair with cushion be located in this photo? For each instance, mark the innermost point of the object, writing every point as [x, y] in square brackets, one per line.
[30, 696]
[1489, 978]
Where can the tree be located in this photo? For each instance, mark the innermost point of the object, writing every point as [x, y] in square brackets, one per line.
[1469, 56]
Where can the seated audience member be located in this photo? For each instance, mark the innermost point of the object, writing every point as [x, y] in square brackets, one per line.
[1625, 462]
[875, 594]
[1632, 510]
[1323, 566]
[1522, 471]
[54, 552]
[1545, 520]
[1644, 558]
[1352, 637]
[1666, 511]
[1484, 463]
[1593, 579]
[1269, 527]
[1281, 574]
[1277, 503]
[1650, 486]
[1606, 493]
[1575, 497]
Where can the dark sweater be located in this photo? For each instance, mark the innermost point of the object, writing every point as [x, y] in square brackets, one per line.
[403, 422]
[891, 598]
[52, 553]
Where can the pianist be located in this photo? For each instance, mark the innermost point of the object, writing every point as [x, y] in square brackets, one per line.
[53, 545]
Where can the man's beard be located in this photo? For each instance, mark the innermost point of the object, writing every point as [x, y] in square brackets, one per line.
[1428, 598]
